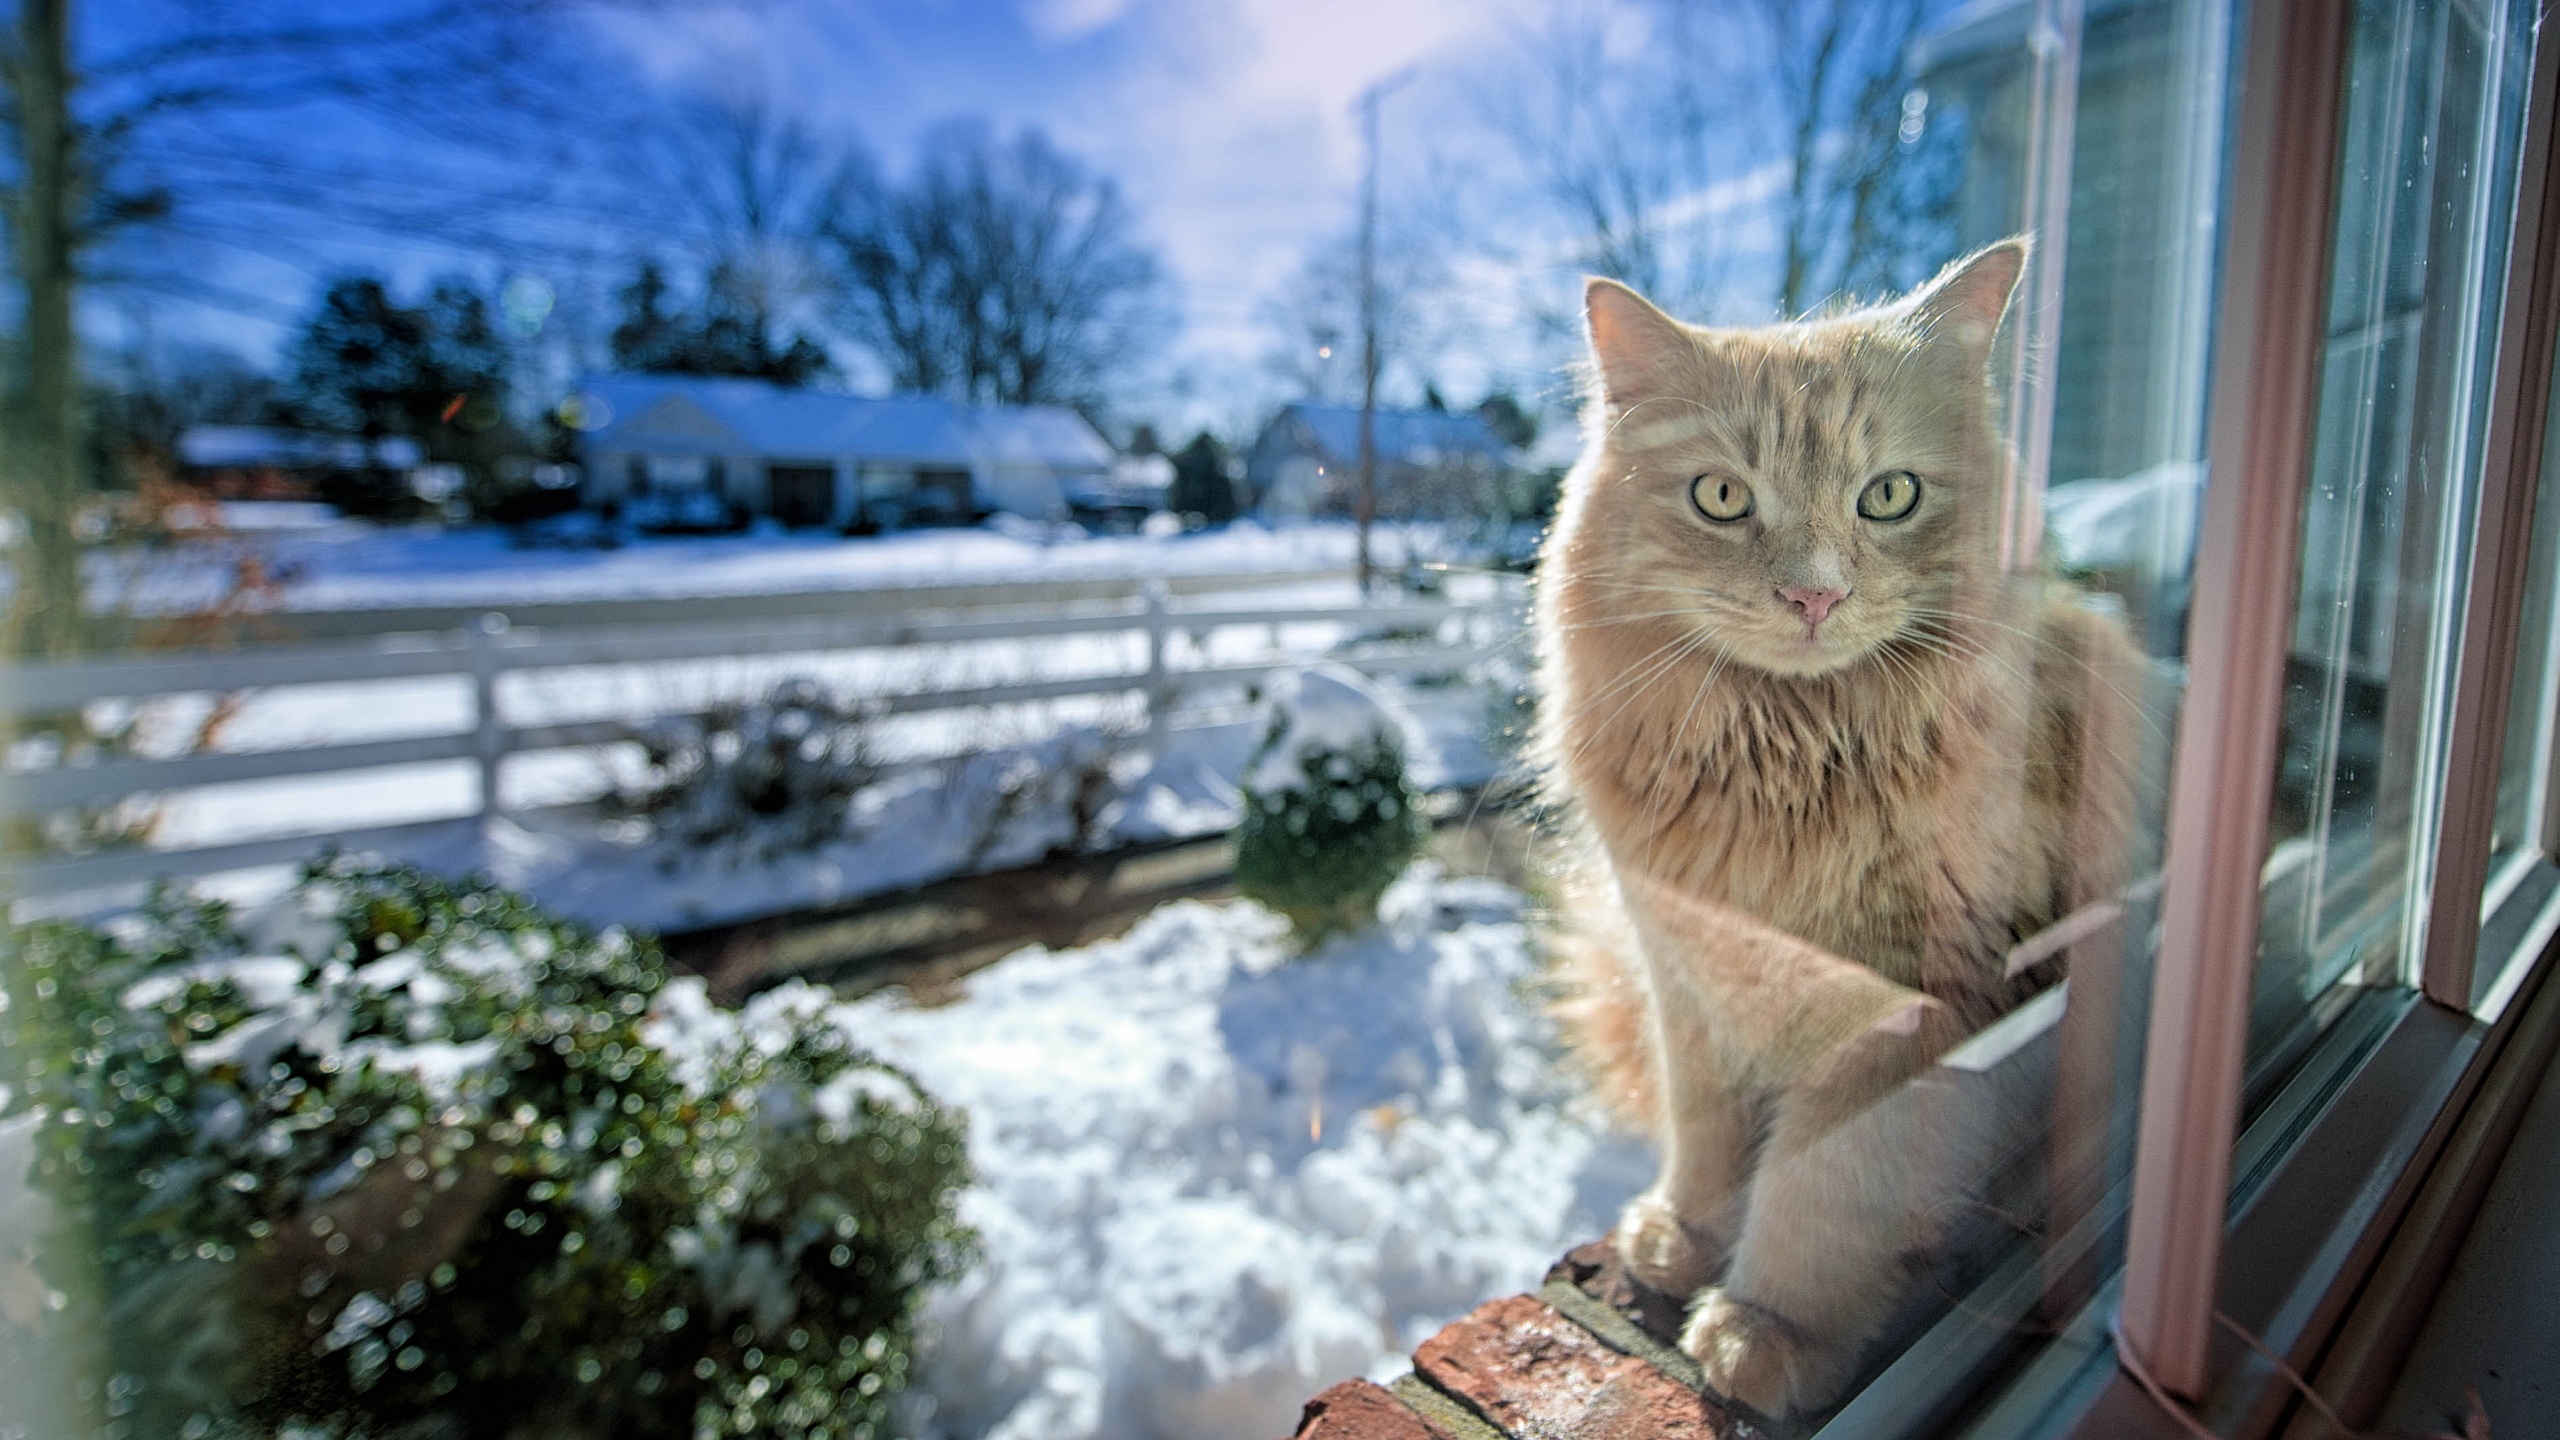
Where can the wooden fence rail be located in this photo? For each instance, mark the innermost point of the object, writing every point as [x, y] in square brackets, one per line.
[1434, 635]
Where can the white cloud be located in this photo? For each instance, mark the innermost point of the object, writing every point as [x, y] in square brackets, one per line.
[1072, 19]
[1233, 130]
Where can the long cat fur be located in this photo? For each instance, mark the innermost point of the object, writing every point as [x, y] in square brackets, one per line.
[1803, 854]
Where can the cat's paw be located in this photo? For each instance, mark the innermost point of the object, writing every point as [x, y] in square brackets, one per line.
[1673, 1257]
[1754, 1356]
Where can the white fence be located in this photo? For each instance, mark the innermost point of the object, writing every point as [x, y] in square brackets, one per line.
[1441, 635]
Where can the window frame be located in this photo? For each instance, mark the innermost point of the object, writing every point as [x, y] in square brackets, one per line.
[2355, 1187]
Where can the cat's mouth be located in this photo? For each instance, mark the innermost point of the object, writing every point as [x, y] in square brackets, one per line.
[1795, 646]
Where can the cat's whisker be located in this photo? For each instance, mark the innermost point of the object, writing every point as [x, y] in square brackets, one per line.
[2131, 700]
[1679, 754]
[1689, 611]
[1679, 650]
[1660, 657]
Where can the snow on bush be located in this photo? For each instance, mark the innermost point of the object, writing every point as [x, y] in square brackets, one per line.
[409, 1156]
[756, 779]
[1216, 1176]
[1329, 820]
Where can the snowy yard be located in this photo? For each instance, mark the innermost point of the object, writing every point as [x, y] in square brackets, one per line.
[1213, 1175]
[327, 564]
[940, 816]
[1215, 1178]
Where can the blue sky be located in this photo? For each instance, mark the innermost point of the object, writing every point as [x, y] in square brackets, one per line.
[1229, 125]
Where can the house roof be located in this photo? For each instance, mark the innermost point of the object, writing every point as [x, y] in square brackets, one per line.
[1407, 437]
[694, 414]
[222, 446]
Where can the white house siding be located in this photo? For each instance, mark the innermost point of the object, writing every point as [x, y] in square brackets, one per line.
[1022, 490]
[1023, 460]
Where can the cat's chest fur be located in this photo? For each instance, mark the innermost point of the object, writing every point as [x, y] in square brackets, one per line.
[1820, 806]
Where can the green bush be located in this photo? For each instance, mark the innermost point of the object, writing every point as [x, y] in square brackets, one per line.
[1329, 823]
[424, 1160]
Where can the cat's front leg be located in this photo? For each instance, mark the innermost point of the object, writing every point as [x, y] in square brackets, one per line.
[1676, 1236]
[1837, 1201]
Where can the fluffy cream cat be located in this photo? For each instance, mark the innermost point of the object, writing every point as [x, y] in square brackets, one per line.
[1828, 766]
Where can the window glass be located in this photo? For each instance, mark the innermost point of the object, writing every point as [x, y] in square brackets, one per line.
[2524, 768]
[2519, 843]
[820, 580]
[2434, 105]
[2108, 394]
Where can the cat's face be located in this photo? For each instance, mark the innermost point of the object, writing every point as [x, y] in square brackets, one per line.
[1801, 495]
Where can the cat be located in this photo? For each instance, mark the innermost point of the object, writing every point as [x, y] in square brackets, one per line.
[1823, 766]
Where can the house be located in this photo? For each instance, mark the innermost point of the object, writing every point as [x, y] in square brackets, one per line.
[698, 451]
[1306, 462]
[256, 462]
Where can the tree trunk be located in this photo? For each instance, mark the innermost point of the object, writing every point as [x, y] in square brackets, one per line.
[44, 614]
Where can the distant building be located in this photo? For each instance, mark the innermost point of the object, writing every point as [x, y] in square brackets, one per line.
[252, 462]
[1306, 462]
[1123, 497]
[694, 447]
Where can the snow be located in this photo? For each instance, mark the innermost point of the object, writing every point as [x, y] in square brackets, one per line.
[357, 566]
[1214, 1179]
[1331, 708]
[980, 811]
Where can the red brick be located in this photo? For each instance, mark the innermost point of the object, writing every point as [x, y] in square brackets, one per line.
[1358, 1410]
[1595, 1269]
[1538, 1375]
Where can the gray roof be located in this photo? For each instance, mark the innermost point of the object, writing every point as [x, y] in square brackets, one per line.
[1408, 437]
[694, 414]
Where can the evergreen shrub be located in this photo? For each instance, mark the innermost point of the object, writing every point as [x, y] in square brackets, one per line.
[412, 1157]
[1330, 820]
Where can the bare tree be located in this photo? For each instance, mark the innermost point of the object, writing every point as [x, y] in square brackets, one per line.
[1316, 314]
[1612, 140]
[751, 190]
[1001, 271]
[1643, 138]
[1860, 207]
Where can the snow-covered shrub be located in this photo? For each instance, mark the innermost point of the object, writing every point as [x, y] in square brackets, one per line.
[413, 1157]
[758, 779]
[1329, 820]
[1064, 788]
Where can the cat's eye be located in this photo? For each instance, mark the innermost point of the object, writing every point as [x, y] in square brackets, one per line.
[1720, 498]
[1890, 496]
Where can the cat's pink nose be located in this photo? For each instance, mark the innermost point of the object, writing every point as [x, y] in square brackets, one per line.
[1810, 603]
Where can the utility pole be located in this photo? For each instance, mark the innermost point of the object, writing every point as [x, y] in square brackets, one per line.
[1367, 502]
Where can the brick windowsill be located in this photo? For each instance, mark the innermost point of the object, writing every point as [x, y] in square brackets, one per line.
[1591, 1354]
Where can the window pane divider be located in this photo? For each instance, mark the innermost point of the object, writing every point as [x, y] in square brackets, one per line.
[2519, 406]
[2267, 349]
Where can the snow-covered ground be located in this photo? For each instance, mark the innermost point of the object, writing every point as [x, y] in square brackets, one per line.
[351, 565]
[1215, 1177]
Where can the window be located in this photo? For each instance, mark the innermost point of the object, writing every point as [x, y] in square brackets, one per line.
[2229, 890]
[2435, 104]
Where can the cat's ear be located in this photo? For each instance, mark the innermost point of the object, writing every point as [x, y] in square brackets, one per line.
[1963, 305]
[1636, 349]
